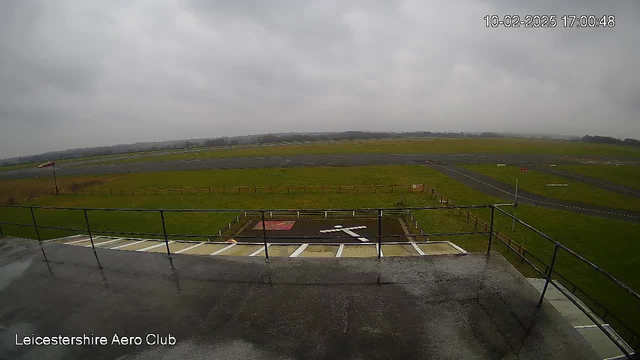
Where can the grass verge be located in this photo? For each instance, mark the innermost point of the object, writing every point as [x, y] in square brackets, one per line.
[619, 174]
[535, 182]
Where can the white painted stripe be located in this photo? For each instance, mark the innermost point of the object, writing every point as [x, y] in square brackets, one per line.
[462, 251]
[619, 357]
[64, 238]
[381, 254]
[154, 246]
[299, 250]
[189, 248]
[77, 241]
[105, 242]
[343, 229]
[588, 326]
[340, 250]
[223, 249]
[415, 246]
[259, 250]
[125, 245]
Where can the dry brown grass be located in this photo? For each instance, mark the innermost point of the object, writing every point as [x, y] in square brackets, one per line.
[15, 191]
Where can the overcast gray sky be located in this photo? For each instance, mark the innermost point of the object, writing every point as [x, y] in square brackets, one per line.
[78, 73]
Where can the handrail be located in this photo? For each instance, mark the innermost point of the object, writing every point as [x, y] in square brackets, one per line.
[576, 255]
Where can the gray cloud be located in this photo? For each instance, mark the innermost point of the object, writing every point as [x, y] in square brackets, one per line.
[88, 73]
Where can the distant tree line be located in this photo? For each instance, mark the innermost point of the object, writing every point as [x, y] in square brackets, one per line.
[272, 138]
[610, 140]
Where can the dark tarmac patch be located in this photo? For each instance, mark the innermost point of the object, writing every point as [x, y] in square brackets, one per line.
[303, 229]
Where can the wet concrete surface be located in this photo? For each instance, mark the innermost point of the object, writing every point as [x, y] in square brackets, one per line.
[257, 162]
[493, 187]
[441, 307]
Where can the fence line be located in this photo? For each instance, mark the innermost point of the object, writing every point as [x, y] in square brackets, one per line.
[247, 189]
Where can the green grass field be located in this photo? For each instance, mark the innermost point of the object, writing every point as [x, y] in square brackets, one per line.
[535, 182]
[18, 166]
[606, 242]
[407, 146]
[623, 175]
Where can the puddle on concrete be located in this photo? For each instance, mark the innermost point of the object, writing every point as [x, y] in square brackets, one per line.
[359, 251]
[320, 251]
[241, 250]
[141, 245]
[399, 250]
[206, 249]
[282, 250]
[438, 249]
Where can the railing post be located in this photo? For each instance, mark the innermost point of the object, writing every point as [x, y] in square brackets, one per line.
[493, 210]
[264, 237]
[549, 274]
[35, 225]
[86, 219]
[164, 231]
[379, 234]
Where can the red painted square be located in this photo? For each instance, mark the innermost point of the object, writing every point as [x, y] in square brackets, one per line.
[274, 225]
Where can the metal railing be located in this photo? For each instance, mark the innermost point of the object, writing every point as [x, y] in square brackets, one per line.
[377, 213]
[633, 340]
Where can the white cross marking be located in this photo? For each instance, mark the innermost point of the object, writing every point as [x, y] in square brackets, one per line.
[348, 231]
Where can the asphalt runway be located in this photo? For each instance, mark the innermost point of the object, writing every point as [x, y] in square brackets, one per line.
[257, 162]
[306, 230]
[493, 187]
